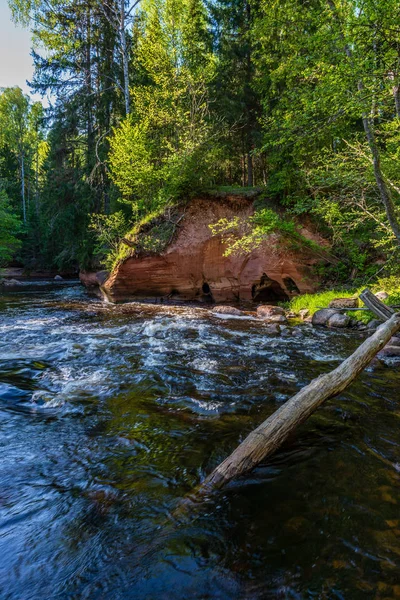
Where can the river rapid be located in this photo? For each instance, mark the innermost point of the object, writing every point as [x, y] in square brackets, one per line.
[110, 415]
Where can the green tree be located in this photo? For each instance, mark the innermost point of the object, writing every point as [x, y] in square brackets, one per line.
[10, 227]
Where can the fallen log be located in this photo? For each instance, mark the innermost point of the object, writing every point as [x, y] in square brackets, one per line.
[271, 434]
[381, 310]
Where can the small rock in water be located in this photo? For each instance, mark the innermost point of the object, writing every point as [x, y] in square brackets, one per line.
[273, 329]
[11, 282]
[374, 324]
[266, 311]
[304, 313]
[227, 310]
[343, 303]
[276, 319]
[58, 278]
[339, 320]
[389, 352]
[296, 332]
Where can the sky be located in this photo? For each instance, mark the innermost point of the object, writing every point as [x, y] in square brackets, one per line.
[15, 46]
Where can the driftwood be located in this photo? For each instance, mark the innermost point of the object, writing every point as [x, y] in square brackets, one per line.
[271, 434]
[382, 311]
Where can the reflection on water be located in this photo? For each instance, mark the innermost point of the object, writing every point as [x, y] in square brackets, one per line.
[109, 415]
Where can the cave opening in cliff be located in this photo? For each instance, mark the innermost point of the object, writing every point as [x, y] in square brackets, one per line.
[290, 285]
[268, 290]
[207, 294]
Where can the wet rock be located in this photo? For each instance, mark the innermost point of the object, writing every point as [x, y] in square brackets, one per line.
[276, 319]
[389, 352]
[291, 315]
[382, 295]
[304, 313]
[296, 332]
[376, 364]
[339, 320]
[272, 329]
[321, 317]
[227, 310]
[265, 311]
[285, 331]
[11, 282]
[374, 324]
[344, 303]
[394, 341]
[58, 278]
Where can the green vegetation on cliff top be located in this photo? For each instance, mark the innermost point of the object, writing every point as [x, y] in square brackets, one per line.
[190, 96]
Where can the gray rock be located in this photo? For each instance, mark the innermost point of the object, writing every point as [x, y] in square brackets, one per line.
[276, 319]
[296, 332]
[58, 278]
[272, 329]
[339, 320]
[321, 317]
[389, 352]
[11, 282]
[374, 324]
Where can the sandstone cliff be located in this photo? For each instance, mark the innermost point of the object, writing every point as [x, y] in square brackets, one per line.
[194, 267]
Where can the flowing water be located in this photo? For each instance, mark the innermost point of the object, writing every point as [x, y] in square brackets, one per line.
[110, 415]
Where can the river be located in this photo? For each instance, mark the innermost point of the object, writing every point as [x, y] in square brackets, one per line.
[110, 415]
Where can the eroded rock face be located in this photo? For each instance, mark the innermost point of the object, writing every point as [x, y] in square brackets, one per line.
[194, 266]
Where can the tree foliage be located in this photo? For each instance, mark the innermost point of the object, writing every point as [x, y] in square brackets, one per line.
[156, 100]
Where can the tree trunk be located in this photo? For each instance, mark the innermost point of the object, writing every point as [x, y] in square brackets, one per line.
[249, 170]
[125, 57]
[23, 186]
[271, 434]
[384, 192]
[396, 95]
[380, 310]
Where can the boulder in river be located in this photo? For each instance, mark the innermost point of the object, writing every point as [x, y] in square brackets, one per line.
[322, 316]
[11, 282]
[389, 352]
[374, 324]
[339, 320]
[344, 303]
[58, 278]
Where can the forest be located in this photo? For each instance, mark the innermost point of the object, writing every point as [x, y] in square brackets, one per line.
[155, 101]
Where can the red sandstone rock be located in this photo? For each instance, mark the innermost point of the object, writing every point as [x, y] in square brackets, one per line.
[194, 267]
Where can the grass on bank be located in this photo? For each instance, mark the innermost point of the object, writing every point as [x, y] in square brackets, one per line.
[314, 302]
